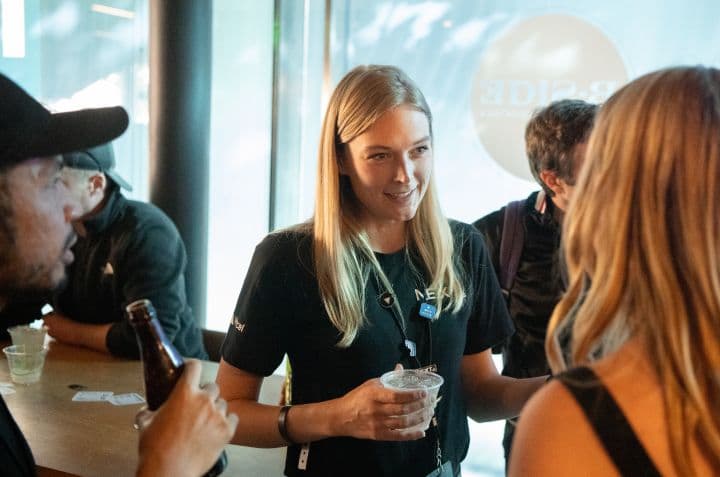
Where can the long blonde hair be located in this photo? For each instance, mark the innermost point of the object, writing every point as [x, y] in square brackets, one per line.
[642, 247]
[342, 253]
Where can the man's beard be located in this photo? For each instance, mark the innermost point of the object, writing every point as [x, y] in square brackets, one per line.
[23, 281]
[29, 283]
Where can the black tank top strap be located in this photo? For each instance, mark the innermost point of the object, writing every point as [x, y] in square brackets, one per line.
[609, 423]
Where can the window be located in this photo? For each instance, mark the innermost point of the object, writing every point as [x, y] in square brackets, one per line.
[240, 139]
[75, 54]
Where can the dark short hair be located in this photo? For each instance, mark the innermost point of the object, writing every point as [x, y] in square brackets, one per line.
[551, 137]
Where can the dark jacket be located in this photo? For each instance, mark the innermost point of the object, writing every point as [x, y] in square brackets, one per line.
[535, 291]
[132, 250]
[537, 287]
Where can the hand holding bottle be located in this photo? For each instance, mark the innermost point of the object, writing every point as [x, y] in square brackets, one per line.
[165, 381]
[185, 436]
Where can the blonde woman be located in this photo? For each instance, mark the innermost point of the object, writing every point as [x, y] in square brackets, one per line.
[379, 277]
[643, 307]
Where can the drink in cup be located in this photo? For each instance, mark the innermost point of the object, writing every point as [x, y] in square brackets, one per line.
[412, 380]
[25, 335]
[25, 363]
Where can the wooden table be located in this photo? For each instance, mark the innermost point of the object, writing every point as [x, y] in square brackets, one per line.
[97, 438]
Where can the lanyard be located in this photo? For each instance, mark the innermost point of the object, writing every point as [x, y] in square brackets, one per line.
[388, 300]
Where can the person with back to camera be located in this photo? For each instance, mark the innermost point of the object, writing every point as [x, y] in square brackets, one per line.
[642, 308]
[523, 238]
[183, 437]
[344, 296]
[126, 250]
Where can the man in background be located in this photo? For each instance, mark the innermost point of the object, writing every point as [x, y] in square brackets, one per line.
[126, 250]
[186, 435]
[523, 238]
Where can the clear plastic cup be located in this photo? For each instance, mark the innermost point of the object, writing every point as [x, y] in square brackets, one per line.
[25, 335]
[412, 380]
[25, 363]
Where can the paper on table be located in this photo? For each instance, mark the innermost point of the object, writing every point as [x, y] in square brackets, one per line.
[126, 399]
[90, 396]
[7, 388]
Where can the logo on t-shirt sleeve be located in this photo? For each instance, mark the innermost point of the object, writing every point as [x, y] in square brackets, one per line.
[238, 326]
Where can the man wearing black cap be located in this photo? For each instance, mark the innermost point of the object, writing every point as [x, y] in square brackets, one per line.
[126, 250]
[187, 433]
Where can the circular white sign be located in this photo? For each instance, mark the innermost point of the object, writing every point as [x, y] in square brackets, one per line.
[530, 64]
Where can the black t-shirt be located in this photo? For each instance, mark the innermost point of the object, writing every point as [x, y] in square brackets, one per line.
[280, 311]
[537, 288]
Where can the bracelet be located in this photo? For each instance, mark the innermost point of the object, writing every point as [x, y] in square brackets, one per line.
[282, 424]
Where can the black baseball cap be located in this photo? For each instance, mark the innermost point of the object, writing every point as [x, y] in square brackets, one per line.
[99, 158]
[28, 129]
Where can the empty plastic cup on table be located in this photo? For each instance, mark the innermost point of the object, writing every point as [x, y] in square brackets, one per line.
[412, 380]
[25, 363]
[25, 335]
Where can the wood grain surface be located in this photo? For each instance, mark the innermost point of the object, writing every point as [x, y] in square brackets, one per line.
[98, 438]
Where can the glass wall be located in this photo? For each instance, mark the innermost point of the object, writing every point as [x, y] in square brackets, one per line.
[240, 145]
[72, 54]
[484, 66]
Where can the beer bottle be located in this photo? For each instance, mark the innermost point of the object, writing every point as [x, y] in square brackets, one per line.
[162, 363]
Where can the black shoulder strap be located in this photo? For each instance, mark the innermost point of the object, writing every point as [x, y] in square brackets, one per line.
[511, 244]
[609, 423]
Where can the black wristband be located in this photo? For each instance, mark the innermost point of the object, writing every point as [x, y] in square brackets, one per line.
[282, 425]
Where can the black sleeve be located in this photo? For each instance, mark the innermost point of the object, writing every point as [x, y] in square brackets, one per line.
[257, 337]
[153, 267]
[489, 322]
[491, 227]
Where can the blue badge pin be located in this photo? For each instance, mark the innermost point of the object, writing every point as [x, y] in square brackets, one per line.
[427, 311]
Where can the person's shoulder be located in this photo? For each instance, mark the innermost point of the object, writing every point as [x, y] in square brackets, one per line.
[145, 209]
[487, 223]
[287, 245]
[293, 236]
[458, 227]
[554, 437]
[466, 237]
[145, 214]
[553, 405]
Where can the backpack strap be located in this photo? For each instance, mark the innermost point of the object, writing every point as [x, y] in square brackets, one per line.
[609, 423]
[511, 244]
